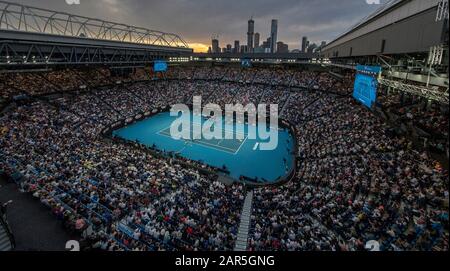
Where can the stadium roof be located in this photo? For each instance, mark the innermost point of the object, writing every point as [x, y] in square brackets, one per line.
[379, 11]
[17, 17]
[382, 17]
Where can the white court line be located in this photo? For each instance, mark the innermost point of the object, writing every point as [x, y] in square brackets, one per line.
[197, 124]
[242, 144]
[206, 145]
[230, 133]
[211, 146]
[225, 130]
[256, 146]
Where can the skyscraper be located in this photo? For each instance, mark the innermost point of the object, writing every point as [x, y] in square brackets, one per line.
[266, 45]
[236, 46]
[273, 36]
[312, 48]
[304, 44]
[215, 46]
[282, 47]
[257, 37]
[250, 33]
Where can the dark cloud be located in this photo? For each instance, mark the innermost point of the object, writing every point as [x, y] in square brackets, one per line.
[197, 20]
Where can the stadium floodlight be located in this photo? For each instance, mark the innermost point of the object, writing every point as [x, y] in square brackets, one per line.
[434, 58]
[442, 11]
[427, 92]
[435, 55]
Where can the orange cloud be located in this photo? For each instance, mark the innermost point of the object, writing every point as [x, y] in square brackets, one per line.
[199, 47]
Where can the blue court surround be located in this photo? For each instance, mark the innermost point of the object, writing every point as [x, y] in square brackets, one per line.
[242, 157]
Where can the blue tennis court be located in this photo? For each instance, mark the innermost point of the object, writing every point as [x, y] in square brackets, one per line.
[228, 145]
[239, 154]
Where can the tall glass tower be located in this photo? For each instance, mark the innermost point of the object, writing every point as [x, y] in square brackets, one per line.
[250, 35]
[273, 36]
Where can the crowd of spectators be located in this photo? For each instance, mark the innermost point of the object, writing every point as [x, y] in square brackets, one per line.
[426, 119]
[357, 180]
[121, 193]
[277, 76]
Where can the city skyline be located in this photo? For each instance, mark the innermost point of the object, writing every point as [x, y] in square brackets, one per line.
[228, 20]
[270, 45]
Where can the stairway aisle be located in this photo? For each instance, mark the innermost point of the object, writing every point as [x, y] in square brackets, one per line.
[5, 243]
[241, 242]
[286, 104]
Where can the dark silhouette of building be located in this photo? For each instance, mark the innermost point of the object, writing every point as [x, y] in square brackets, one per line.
[282, 47]
[215, 46]
[236, 48]
[250, 35]
[257, 38]
[273, 35]
[304, 44]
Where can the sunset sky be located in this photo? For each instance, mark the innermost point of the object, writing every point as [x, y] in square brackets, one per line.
[196, 21]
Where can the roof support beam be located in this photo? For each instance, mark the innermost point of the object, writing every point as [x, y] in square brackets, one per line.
[19, 17]
[426, 92]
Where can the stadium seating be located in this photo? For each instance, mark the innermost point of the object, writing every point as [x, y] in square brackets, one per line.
[356, 181]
